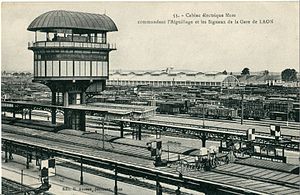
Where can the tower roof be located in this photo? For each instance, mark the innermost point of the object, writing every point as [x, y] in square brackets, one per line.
[78, 21]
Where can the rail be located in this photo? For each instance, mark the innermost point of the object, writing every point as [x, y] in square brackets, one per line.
[292, 125]
[12, 187]
[70, 44]
[196, 126]
[215, 128]
[287, 142]
[134, 169]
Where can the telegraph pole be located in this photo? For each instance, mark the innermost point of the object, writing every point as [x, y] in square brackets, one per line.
[287, 113]
[22, 176]
[103, 132]
[242, 106]
[203, 115]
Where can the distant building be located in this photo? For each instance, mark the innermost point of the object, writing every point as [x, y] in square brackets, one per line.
[272, 79]
[260, 79]
[171, 78]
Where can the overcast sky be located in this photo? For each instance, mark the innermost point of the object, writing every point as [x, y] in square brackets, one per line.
[158, 46]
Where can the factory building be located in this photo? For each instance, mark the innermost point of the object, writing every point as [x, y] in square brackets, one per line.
[171, 78]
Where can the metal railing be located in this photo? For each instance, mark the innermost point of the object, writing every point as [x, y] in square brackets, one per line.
[69, 44]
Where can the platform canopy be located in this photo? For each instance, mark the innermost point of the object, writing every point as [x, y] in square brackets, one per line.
[78, 22]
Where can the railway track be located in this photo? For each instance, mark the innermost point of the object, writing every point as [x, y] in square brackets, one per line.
[11, 187]
[69, 178]
[225, 179]
[263, 122]
[192, 122]
[248, 176]
[293, 130]
[128, 180]
[91, 143]
[94, 142]
[165, 120]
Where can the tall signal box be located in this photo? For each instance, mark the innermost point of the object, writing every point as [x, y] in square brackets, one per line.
[71, 56]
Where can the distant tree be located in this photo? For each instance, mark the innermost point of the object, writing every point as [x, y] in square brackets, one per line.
[289, 75]
[266, 73]
[230, 73]
[245, 71]
[224, 72]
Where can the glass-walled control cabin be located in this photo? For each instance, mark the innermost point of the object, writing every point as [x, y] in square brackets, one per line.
[71, 55]
[71, 45]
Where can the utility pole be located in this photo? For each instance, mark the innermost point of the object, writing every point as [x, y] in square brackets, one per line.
[287, 113]
[81, 172]
[203, 115]
[22, 175]
[103, 132]
[116, 180]
[242, 106]
[168, 152]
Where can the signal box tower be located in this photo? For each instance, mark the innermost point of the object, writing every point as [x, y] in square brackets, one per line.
[71, 57]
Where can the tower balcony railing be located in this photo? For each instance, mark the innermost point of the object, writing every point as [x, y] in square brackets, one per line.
[69, 44]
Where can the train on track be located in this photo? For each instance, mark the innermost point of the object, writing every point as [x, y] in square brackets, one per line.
[211, 111]
[281, 109]
[222, 106]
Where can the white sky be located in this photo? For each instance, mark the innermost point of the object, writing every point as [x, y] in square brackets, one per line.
[195, 47]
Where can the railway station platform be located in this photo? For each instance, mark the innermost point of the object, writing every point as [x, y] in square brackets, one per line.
[36, 124]
[66, 180]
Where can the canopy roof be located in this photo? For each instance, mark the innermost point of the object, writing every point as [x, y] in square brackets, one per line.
[77, 21]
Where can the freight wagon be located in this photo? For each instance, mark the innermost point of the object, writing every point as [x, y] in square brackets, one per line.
[174, 107]
[255, 109]
[213, 112]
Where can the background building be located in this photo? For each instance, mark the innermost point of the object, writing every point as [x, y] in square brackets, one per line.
[172, 78]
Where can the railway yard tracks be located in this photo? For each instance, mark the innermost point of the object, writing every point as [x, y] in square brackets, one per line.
[270, 181]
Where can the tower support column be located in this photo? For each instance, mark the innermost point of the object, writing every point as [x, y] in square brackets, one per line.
[53, 110]
[203, 140]
[30, 113]
[122, 129]
[66, 99]
[82, 120]
[6, 151]
[140, 132]
[82, 98]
